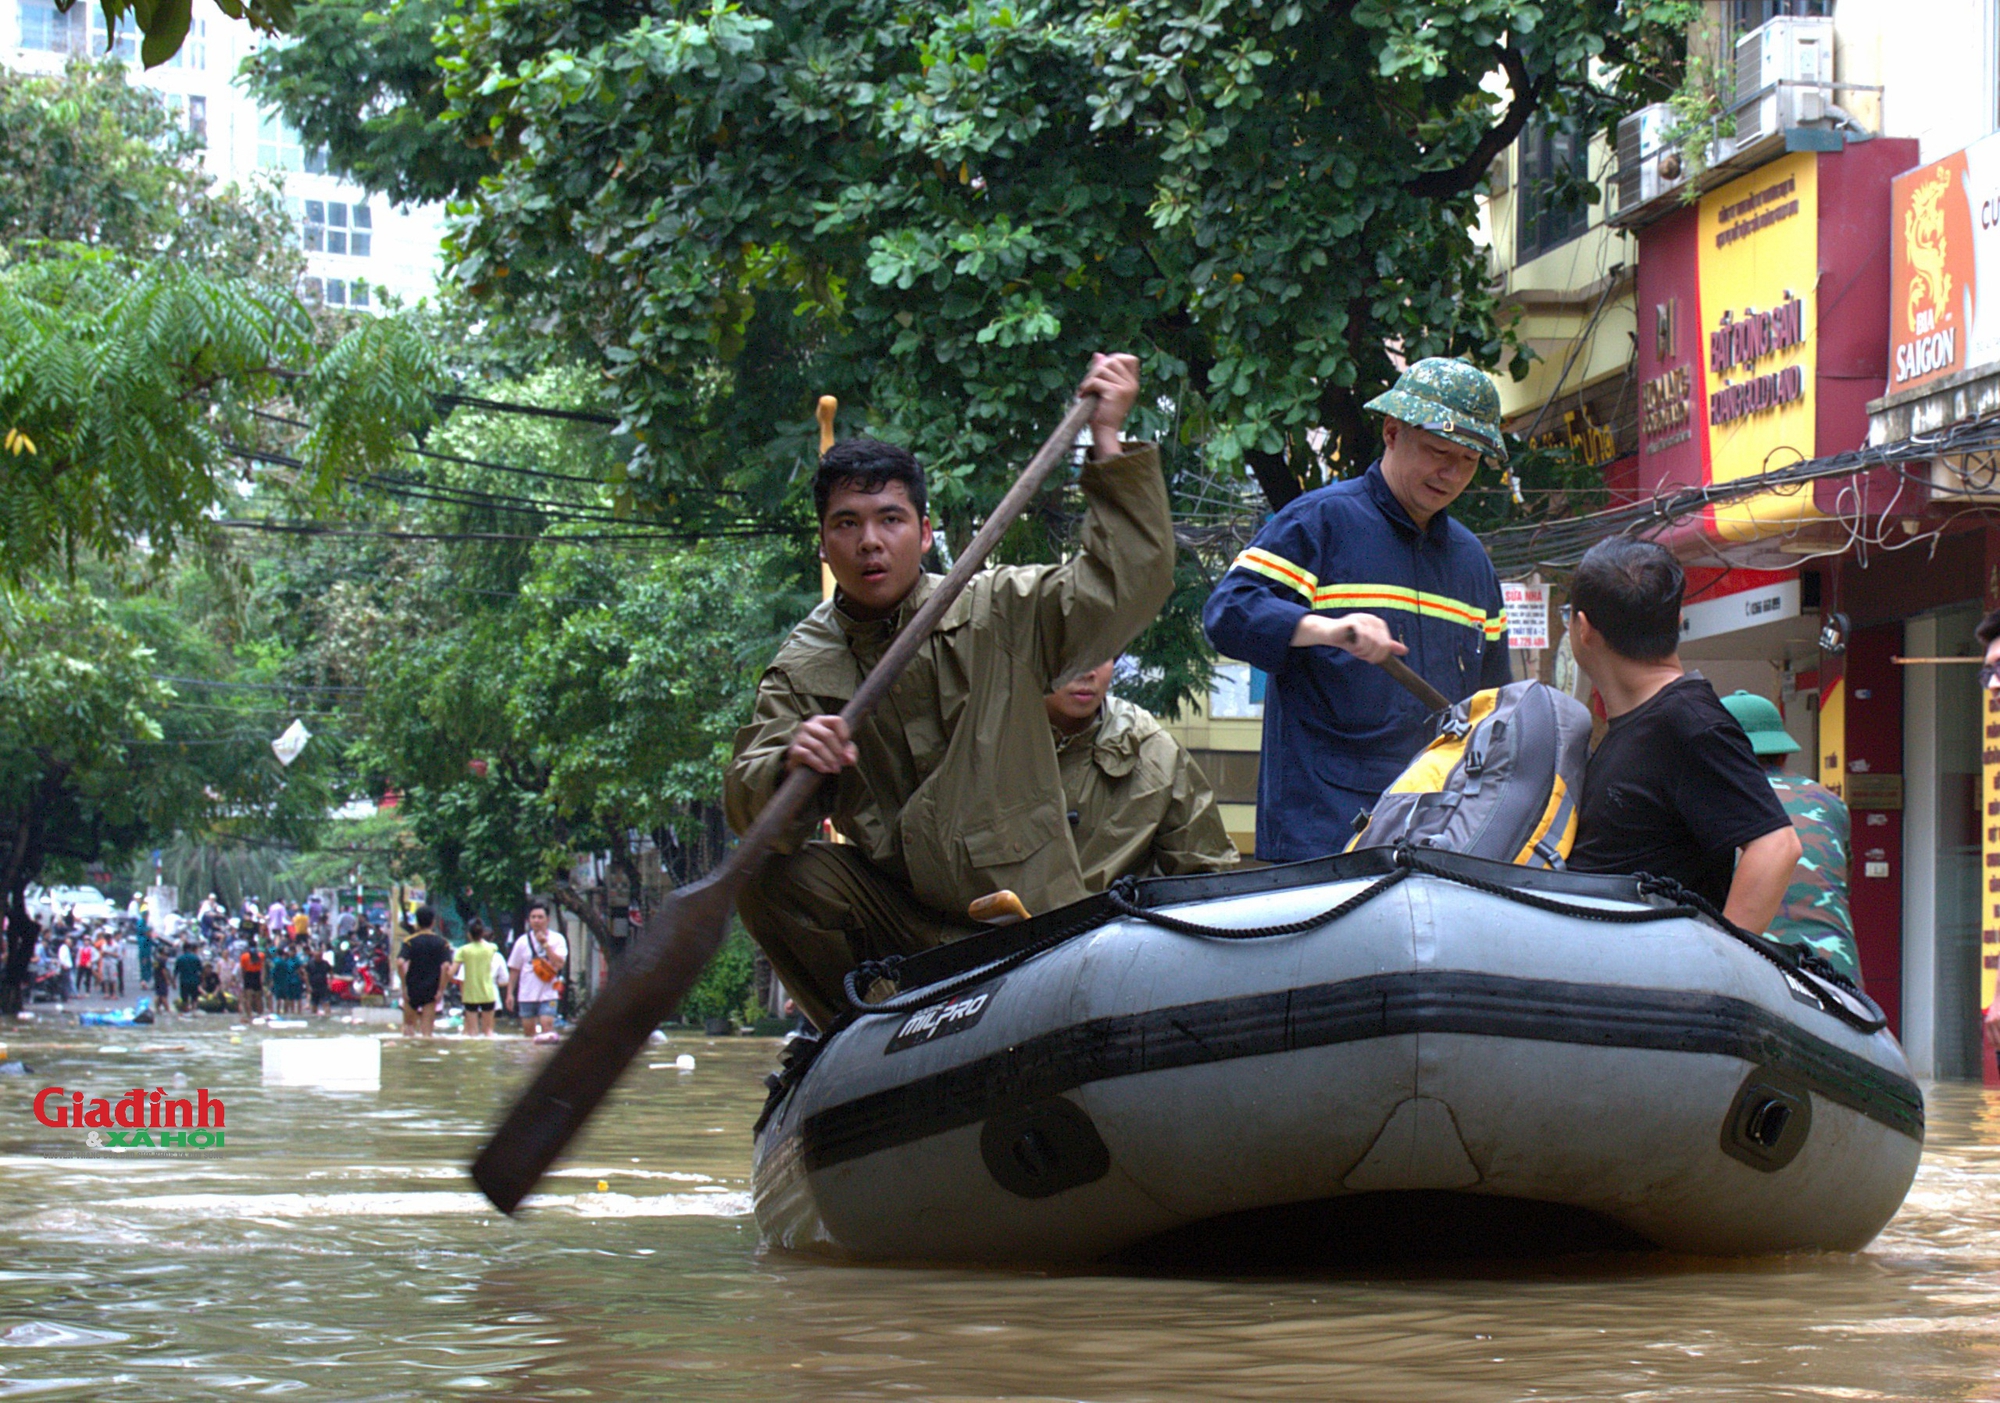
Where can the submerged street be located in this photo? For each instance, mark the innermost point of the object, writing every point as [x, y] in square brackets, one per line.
[333, 1248]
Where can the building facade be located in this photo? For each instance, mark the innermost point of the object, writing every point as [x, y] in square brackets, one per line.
[357, 246]
[1809, 287]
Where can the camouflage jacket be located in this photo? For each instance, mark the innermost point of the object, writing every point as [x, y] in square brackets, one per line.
[1815, 908]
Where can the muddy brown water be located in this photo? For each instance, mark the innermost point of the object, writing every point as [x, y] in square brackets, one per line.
[332, 1248]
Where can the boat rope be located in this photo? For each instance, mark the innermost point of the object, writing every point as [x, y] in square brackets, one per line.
[1838, 995]
[865, 975]
[1120, 897]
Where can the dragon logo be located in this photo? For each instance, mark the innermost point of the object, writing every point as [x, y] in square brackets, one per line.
[1924, 253]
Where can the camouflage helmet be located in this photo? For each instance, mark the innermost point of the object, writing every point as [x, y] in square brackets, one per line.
[1451, 399]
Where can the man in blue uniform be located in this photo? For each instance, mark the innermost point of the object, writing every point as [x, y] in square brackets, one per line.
[1345, 576]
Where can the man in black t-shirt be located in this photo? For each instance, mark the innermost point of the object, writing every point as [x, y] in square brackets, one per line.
[1673, 789]
[318, 981]
[425, 963]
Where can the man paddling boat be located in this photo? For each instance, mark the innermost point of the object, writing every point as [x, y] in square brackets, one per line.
[950, 791]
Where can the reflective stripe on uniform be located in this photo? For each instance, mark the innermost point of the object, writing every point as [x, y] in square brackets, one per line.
[1348, 597]
[1276, 567]
[1411, 601]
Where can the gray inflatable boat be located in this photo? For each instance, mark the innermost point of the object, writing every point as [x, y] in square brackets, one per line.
[1362, 1048]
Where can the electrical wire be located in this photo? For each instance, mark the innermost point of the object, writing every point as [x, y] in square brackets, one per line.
[254, 686]
[345, 530]
[496, 406]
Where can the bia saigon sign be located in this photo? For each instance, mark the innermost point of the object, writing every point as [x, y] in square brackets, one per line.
[1944, 240]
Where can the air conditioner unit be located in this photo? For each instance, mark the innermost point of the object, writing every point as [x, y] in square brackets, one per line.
[1784, 76]
[1647, 166]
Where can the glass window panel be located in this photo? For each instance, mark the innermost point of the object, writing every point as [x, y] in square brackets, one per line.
[357, 245]
[357, 294]
[315, 290]
[336, 241]
[314, 161]
[315, 238]
[362, 217]
[193, 52]
[46, 30]
[336, 215]
[315, 211]
[336, 293]
[127, 47]
[197, 119]
[277, 144]
[1548, 211]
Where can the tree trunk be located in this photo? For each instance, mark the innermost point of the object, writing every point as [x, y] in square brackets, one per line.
[585, 910]
[1279, 481]
[22, 935]
[20, 864]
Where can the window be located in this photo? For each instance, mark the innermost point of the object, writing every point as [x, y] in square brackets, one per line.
[126, 50]
[331, 227]
[46, 30]
[193, 52]
[1549, 207]
[279, 148]
[338, 292]
[1752, 13]
[191, 112]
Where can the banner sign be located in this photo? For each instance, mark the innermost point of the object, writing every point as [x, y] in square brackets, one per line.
[1944, 244]
[1740, 599]
[1758, 269]
[1527, 615]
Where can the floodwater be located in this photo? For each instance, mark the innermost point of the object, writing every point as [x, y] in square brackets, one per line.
[333, 1248]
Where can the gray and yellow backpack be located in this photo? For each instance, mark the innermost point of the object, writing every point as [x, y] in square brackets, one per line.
[1502, 780]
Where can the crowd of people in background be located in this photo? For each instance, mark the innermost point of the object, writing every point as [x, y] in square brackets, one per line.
[301, 959]
[75, 960]
[285, 960]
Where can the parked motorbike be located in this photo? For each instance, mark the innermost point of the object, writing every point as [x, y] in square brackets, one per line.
[353, 988]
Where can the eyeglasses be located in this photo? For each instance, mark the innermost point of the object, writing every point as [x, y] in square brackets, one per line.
[1987, 673]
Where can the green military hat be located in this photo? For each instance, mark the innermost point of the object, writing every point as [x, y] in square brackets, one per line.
[1450, 399]
[1760, 721]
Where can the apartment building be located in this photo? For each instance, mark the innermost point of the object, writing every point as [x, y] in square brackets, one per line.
[358, 247]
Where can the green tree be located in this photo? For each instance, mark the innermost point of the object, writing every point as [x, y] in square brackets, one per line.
[934, 210]
[100, 754]
[362, 82]
[125, 387]
[596, 706]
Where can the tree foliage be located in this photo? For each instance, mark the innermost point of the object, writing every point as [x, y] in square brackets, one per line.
[100, 753]
[164, 24]
[935, 211]
[145, 318]
[362, 82]
[125, 389]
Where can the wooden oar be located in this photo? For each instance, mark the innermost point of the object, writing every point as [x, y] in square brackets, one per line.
[682, 935]
[1423, 691]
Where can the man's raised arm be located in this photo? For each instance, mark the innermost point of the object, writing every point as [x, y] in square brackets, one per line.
[1094, 604]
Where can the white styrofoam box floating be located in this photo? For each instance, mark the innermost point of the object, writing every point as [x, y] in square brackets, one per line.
[331, 1064]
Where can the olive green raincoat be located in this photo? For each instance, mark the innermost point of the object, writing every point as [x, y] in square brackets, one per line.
[957, 793]
[1139, 805]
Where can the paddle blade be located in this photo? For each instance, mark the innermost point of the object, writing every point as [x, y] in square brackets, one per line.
[648, 984]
